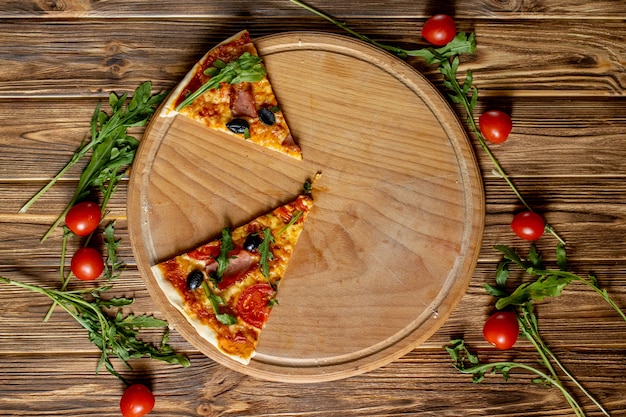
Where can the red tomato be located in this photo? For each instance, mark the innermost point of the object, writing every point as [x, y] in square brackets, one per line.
[87, 264]
[528, 225]
[83, 218]
[502, 329]
[136, 401]
[495, 125]
[439, 30]
[253, 305]
[206, 252]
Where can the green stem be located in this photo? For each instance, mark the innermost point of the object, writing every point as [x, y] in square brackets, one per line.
[604, 295]
[465, 102]
[64, 279]
[531, 332]
[75, 158]
[483, 368]
[588, 282]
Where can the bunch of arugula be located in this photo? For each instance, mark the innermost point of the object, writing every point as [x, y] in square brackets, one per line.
[110, 150]
[112, 332]
[544, 283]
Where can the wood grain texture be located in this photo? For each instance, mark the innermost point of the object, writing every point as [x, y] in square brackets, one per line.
[483, 9]
[587, 63]
[556, 65]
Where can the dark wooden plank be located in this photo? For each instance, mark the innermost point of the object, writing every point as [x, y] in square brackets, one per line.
[577, 319]
[484, 9]
[593, 231]
[559, 131]
[413, 385]
[106, 55]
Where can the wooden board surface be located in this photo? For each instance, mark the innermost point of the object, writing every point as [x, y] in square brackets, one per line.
[392, 242]
[555, 65]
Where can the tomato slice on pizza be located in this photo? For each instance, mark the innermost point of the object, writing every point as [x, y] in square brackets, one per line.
[226, 288]
[228, 90]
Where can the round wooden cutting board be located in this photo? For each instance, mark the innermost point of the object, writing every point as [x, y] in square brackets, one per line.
[392, 242]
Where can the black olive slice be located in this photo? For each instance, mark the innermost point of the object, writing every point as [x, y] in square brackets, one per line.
[252, 242]
[194, 279]
[266, 116]
[238, 126]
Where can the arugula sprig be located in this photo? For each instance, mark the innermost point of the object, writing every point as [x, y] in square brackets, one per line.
[110, 150]
[216, 301]
[113, 265]
[462, 43]
[268, 238]
[468, 363]
[110, 146]
[545, 283]
[223, 259]
[115, 335]
[246, 68]
[266, 254]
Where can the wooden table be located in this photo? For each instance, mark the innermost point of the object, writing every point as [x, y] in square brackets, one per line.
[556, 66]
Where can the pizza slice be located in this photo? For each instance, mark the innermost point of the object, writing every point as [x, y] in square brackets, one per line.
[228, 90]
[227, 287]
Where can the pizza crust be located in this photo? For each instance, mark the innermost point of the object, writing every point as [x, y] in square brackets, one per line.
[206, 332]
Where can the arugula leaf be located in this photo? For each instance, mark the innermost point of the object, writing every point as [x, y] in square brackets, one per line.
[113, 266]
[544, 286]
[266, 253]
[294, 218]
[111, 148]
[247, 68]
[215, 301]
[534, 257]
[511, 255]
[115, 335]
[223, 259]
[561, 256]
[502, 273]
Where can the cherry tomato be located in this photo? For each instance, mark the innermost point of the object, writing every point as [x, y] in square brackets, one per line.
[439, 30]
[87, 264]
[501, 329]
[83, 218]
[528, 225]
[495, 125]
[136, 401]
[253, 305]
